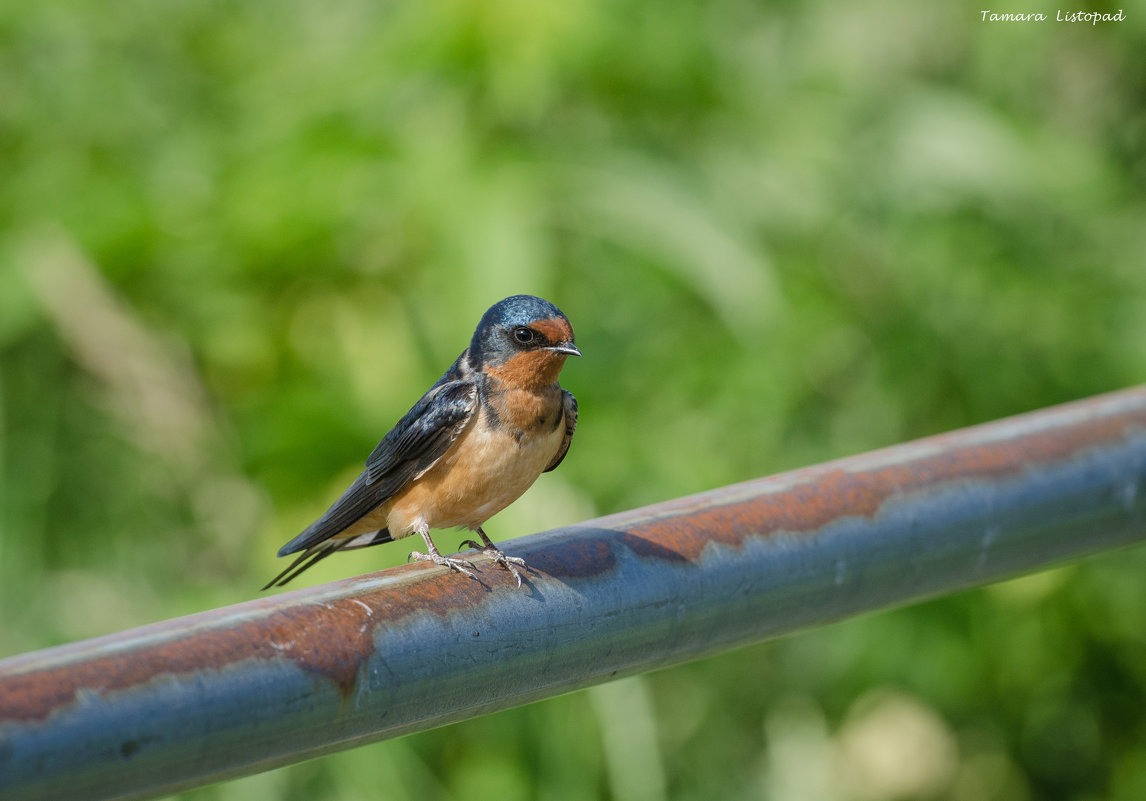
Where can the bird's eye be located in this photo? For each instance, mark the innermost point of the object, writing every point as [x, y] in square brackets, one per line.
[523, 335]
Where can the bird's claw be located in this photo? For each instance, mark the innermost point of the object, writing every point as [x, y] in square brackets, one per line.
[446, 561]
[496, 556]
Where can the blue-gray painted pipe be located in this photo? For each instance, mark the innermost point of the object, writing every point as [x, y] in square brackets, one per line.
[233, 691]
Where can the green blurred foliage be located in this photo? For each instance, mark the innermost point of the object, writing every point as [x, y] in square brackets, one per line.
[237, 241]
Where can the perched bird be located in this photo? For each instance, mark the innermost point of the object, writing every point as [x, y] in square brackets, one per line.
[467, 449]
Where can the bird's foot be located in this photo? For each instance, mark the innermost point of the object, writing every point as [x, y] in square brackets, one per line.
[498, 557]
[460, 565]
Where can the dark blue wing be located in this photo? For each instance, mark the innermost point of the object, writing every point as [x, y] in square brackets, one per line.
[424, 433]
[410, 448]
[569, 407]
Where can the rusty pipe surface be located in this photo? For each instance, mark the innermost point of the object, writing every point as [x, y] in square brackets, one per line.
[249, 687]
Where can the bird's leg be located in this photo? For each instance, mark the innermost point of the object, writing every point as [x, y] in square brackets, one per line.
[436, 557]
[510, 563]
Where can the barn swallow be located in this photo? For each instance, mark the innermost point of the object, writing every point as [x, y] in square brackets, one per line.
[467, 449]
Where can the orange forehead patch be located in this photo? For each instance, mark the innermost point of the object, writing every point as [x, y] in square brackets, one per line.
[555, 329]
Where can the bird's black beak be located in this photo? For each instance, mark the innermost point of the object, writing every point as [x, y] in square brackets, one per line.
[565, 347]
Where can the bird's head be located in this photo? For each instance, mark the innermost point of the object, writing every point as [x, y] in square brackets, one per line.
[524, 341]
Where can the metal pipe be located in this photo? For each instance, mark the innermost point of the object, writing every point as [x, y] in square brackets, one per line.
[233, 691]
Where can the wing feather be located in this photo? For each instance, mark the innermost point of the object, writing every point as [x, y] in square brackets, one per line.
[569, 406]
[410, 448]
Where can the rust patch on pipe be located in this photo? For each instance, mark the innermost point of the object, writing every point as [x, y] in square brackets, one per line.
[845, 488]
[331, 638]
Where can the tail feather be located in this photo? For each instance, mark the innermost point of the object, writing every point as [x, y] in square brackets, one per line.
[316, 553]
[368, 539]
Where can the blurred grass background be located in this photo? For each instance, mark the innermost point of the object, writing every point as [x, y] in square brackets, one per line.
[238, 240]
